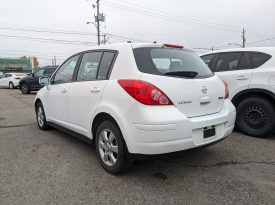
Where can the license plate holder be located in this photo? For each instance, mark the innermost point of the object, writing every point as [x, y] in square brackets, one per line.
[209, 131]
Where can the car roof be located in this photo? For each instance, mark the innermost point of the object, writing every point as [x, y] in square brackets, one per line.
[269, 50]
[117, 46]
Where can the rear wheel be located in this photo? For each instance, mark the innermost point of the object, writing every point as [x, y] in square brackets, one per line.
[256, 117]
[25, 89]
[110, 148]
[40, 117]
[11, 86]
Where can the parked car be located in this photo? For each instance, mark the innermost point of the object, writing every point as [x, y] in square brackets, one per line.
[136, 99]
[11, 80]
[31, 82]
[250, 74]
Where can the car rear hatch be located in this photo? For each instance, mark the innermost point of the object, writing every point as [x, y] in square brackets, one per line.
[183, 77]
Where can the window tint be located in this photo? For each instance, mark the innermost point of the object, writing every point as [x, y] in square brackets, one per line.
[228, 61]
[49, 71]
[245, 62]
[259, 58]
[66, 71]
[105, 65]
[89, 66]
[207, 58]
[159, 61]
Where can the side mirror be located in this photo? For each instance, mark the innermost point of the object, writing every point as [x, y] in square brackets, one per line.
[44, 81]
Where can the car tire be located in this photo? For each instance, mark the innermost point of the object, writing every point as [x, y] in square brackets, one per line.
[25, 89]
[111, 149]
[41, 117]
[11, 85]
[256, 117]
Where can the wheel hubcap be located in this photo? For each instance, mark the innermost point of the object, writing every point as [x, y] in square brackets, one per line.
[40, 116]
[108, 148]
[255, 117]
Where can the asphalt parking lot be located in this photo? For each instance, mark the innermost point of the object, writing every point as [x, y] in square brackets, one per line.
[50, 167]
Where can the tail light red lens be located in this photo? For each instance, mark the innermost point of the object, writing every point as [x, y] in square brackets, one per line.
[226, 93]
[144, 92]
[17, 78]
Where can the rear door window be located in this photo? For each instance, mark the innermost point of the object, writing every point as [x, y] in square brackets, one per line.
[227, 61]
[89, 66]
[245, 62]
[161, 61]
[259, 58]
[105, 65]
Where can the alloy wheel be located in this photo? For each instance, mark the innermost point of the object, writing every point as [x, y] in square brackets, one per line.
[108, 147]
[40, 116]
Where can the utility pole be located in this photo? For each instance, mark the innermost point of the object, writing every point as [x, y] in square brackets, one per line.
[99, 17]
[54, 59]
[97, 20]
[243, 38]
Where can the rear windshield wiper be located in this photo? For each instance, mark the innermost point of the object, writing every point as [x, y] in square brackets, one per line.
[187, 74]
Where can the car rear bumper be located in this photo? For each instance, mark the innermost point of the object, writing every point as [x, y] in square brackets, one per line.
[168, 130]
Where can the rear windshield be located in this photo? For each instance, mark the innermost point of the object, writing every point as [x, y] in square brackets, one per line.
[160, 61]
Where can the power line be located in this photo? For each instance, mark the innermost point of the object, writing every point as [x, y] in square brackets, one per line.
[66, 32]
[183, 17]
[168, 18]
[48, 40]
[35, 52]
[175, 18]
[268, 39]
[47, 31]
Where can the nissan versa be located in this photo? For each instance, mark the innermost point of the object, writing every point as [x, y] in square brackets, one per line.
[134, 99]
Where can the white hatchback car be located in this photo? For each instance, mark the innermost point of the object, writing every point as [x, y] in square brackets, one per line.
[136, 99]
[11, 80]
[250, 74]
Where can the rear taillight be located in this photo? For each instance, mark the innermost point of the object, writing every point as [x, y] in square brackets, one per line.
[144, 92]
[17, 78]
[226, 93]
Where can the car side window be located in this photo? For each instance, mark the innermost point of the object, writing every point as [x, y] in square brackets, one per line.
[105, 65]
[89, 66]
[208, 58]
[259, 58]
[38, 73]
[48, 72]
[228, 62]
[66, 71]
[245, 62]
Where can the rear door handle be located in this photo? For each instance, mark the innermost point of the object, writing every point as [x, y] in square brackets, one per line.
[95, 90]
[242, 77]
